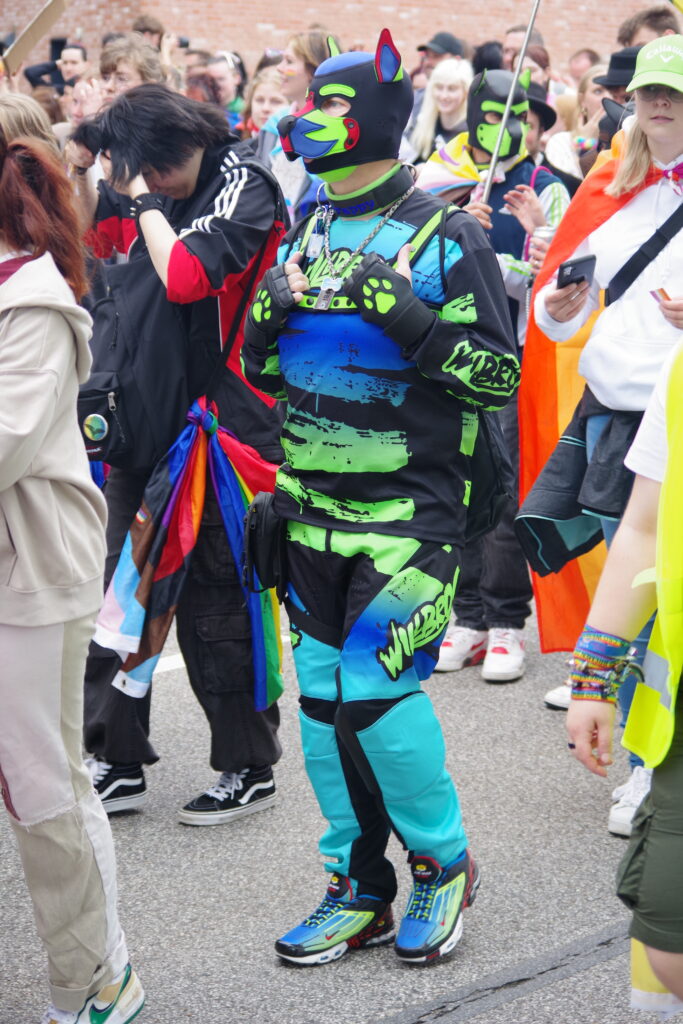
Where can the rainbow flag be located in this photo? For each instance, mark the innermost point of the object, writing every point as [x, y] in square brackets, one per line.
[143, 595]
[549, 392]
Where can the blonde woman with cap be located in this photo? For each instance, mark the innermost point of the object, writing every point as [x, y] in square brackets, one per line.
[614, 214]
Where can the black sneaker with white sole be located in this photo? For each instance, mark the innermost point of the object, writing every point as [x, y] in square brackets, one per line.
[235, 794]
[120, 787]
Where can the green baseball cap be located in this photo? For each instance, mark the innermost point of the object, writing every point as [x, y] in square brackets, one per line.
[659, 62]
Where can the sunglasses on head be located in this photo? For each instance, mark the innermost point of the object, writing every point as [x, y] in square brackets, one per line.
[651, 92]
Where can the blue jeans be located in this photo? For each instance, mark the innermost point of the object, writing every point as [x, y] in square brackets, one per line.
[594, 428]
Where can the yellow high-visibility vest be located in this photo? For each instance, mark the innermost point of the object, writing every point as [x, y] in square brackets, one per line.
[650, 725]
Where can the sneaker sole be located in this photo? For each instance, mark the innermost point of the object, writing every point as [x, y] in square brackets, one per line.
[623, 831]
[327, 956]
[467, 663]
[221, 817]
[124, 803]
[502, 677]
[557, 706]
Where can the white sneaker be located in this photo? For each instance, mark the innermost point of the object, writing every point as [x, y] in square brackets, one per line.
[560, 698]
[633, 792]
[117, 1003]
[505, 656]
[461, 646]
[619, 791]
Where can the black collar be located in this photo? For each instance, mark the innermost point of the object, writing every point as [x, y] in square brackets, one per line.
[375, 198]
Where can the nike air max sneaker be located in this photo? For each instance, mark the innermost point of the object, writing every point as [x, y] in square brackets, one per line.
[432, 925]
[116, 1003]
[343, 921]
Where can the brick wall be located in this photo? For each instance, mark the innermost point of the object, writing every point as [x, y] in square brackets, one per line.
[250, 25]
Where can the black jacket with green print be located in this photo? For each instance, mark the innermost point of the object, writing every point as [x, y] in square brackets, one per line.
[378, 437]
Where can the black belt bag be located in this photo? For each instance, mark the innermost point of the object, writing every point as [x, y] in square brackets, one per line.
[265, 563]
[102, 418]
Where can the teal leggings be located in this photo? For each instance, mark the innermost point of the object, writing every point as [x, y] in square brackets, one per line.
[368, 613]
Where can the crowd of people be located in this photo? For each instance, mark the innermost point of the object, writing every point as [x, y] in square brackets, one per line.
[324, 282]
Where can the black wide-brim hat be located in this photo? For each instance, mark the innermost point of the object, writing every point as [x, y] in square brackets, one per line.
[615, 112]
[537, 103]
[622, 66]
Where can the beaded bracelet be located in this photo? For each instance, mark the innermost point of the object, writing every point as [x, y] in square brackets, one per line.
[600, 663]
[584, 143]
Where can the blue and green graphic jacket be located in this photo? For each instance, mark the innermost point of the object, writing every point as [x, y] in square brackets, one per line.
[378, 437]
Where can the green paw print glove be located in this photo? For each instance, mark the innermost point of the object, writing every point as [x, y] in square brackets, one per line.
[262, 308]
[272, 302]
[386, 298]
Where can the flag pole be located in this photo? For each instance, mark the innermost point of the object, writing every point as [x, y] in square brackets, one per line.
[508, 105]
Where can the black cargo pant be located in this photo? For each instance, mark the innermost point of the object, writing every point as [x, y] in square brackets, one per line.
[215, 639]
[494, 588]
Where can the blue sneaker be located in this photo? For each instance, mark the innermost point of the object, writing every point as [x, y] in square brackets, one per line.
[432, 925]
[343, 921]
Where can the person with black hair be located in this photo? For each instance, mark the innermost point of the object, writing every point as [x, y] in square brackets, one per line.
[193, 217]
[487, 57]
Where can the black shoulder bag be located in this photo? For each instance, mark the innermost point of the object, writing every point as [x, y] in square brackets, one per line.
[634, 267]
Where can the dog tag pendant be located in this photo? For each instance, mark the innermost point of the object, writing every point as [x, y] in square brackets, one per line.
[314, 247]
[329, 287]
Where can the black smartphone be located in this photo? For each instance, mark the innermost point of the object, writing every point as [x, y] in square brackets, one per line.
[581, 268]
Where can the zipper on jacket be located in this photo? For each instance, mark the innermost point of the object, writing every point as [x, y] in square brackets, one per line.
[112, 343]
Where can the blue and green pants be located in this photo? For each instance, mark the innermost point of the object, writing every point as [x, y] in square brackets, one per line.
[368, 612]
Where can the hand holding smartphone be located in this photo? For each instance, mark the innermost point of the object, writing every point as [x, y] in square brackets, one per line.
[581, 268]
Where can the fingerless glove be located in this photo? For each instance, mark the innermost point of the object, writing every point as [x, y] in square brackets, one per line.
[386, 298]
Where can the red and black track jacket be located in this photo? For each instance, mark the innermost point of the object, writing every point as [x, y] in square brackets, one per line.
[222, 228]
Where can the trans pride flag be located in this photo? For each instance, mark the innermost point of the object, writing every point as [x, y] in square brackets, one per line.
[143, 595]
[449, 168]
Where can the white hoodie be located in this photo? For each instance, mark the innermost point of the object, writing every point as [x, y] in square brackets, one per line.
[52, 515]
[630, 340]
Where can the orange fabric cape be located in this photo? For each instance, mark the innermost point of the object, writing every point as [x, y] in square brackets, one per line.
[550, 391]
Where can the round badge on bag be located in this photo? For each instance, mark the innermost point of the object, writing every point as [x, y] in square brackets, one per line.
[95, 427]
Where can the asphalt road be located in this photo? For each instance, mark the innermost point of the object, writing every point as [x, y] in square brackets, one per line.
[545, 941]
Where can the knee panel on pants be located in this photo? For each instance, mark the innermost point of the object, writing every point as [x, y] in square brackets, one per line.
[405, 748]
[405, 751]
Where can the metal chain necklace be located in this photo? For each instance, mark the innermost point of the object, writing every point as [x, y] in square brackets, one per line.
[331, 284]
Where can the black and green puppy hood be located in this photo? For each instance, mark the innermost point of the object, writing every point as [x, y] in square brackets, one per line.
[380, 98]
[488, 94]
